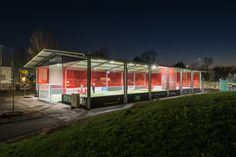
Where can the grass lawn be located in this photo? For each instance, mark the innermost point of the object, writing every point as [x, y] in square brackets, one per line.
[200, 125]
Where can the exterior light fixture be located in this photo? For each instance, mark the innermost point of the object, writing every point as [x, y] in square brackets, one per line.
[154, 67]
[23, 79]
[111, 61]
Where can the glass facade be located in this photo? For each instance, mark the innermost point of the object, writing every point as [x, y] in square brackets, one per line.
[186, 79]
[137, 78]
[159, 78]
[49, 82]
[108, 79]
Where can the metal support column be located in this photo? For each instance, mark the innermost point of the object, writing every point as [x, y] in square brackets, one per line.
[36, 81]
[192, 83]
[150, 82]
[88, 83]
[134, 80]
[181, 81]
[200, 81]
[125, 83]
[168, 82]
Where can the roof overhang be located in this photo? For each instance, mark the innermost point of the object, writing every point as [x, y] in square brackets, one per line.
[47, 53]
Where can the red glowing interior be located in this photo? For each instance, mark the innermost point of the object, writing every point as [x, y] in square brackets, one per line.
[43, 75]
[99, 78]
[137, 79]
[156, 79]
[74, 78]
[178, 80]
[186, 79]
[196, 80]
[78, 78]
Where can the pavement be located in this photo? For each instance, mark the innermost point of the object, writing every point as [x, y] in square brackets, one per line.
[40, 116]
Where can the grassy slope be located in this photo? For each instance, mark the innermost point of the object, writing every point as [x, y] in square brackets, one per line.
[201, 125]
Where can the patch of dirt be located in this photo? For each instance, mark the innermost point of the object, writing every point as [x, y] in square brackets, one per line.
[11, 117]
[11, 114]
[27, 97]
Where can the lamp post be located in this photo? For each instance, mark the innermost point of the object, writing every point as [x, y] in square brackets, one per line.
[13, 84]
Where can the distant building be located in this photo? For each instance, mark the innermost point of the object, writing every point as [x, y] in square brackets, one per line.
[5, 69]
[5, 55]
[1, 50]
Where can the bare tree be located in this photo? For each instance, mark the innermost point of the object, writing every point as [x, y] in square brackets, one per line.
[40, 39]
[102, 52]
[180, 64]
[150, 56]
[207, 62]
[194, 65]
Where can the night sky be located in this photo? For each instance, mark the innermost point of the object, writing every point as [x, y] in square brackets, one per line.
[177, 30]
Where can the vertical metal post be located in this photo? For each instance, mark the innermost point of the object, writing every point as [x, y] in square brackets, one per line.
[50, 93]
[65, 80]
[181, 81]
[1, 52]
[192, 83]
[107, 73]
[13, 85]
[125, 83]
[168, 82]
[36, 83]
[88, 83]
[134, 80]
[24, 89]
[145, 79]
[200, 81]
[150, 82]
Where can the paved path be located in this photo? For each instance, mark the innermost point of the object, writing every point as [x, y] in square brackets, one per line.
[42, 116]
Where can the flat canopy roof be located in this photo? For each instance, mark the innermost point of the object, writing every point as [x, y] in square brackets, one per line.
[44, 54]
[97, 62]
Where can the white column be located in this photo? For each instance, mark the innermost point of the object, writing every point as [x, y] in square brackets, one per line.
[145, 75]
[134, 80]
[181, 81]
[200, 81]
[192, 83]
[149, 82]
[167, 81]
[65, 80]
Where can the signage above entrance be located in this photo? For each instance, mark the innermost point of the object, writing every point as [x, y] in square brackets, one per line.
[55, 60]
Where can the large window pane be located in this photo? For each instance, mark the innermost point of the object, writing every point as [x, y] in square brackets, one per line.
[196, 80]
[43, 75]
[186, 79]
[159, 78]
[75, 78]
[137, 78]
[106, 77]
